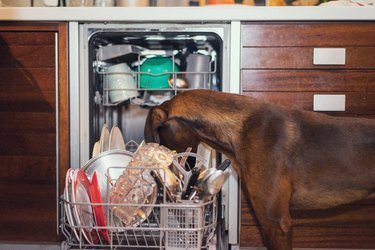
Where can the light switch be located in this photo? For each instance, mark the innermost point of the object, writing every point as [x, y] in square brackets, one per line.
[329, 56]
[329, 102]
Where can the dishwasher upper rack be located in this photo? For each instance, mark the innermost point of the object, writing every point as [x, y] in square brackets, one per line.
[186, 224]
[102, 97]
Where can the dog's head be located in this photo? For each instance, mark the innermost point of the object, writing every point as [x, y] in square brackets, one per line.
[169, 131]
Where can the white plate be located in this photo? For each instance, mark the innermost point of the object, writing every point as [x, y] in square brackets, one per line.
[104, 138]
[96, 149]
[108, 165]
[68, 198]
[116, 140]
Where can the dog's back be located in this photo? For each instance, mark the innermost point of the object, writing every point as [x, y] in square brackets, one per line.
[331, 159]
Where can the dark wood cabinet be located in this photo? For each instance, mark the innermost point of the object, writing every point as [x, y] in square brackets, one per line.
[278, 66]
[34, 145]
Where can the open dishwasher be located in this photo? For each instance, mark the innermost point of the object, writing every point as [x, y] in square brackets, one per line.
[123, 70]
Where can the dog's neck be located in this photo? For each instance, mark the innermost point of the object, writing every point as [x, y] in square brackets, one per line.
[210, 131]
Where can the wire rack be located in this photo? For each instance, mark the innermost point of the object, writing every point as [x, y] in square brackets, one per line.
[146, 93]
[186, 224]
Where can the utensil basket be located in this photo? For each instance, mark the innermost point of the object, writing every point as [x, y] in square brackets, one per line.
[185, 225]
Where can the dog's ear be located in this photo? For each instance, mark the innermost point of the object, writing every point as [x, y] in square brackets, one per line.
[155, 119]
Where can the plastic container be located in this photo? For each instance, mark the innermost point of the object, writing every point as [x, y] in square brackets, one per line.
[155, 72]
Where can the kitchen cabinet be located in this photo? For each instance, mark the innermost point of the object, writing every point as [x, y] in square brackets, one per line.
[278, 65]
[34, 146]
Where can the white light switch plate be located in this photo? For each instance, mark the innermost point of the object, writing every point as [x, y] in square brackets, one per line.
[329, 56]
[329, 102]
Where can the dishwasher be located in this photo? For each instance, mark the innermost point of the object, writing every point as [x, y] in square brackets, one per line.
[124, 69]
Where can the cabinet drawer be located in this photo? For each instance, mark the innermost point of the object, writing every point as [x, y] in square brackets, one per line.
[356, 104]
[308, 34]
[317, 237]
[302, 58]
[308, 80]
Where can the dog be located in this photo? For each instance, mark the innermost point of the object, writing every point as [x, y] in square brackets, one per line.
[287, 159]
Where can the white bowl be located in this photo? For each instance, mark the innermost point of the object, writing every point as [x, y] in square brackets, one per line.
[121, 83]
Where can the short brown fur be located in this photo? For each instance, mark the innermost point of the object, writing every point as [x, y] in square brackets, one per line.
[287, 159]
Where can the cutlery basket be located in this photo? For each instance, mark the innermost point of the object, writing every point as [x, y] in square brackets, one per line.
[187, 225]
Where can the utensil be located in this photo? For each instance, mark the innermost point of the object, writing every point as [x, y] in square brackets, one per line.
[224, 165]
[213, 183]
[210, 181]
[180, 170]
[169, 178]
[191, 183]
[161, 185]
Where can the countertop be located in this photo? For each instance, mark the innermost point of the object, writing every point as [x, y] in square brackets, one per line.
[202, 14]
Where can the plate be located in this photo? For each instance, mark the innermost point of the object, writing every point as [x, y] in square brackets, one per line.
[108, 166]
[116, 140]
[68, 198]
[104, 138]
[82, 208]
[99, 216]
[96, 149]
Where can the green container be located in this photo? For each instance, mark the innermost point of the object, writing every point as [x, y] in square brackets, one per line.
[155, 72]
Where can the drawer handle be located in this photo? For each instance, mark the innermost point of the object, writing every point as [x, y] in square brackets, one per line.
[329, 103]
[329, 56]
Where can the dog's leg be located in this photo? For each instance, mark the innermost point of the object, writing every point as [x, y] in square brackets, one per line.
[270, 201]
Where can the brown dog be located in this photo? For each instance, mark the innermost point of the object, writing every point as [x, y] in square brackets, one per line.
[288, 159]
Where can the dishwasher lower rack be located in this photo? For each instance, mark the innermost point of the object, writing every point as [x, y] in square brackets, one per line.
[188, 225]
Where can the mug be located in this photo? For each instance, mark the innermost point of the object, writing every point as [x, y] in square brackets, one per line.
[121, 83]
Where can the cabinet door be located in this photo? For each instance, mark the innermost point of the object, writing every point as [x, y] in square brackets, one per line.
[33, 129]
[280, 63]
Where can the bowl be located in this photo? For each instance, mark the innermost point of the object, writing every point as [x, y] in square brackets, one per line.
[156, 71]
[121, 83]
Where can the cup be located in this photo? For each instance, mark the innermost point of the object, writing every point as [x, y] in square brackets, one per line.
[121, 83]
[197, 71]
